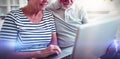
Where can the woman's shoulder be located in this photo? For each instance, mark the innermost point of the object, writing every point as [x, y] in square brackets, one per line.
[14, 12]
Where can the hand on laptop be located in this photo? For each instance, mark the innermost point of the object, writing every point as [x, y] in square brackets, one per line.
[52, 49]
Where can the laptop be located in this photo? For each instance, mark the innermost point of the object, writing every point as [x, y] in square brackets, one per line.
[93, 39]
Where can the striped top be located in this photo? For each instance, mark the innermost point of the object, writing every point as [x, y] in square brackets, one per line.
[28, 36]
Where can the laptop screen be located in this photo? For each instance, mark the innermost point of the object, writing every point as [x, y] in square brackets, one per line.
[93, 39]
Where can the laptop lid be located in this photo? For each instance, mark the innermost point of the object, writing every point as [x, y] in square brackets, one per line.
[93, 39]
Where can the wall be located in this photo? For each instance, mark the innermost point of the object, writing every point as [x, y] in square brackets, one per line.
[116, 10]
[109, 7]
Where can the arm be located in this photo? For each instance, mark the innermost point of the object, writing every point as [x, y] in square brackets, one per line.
[55, 44]
[7, 51]
[53, 29]
[54, 36]
[54, 39]
[83, 15]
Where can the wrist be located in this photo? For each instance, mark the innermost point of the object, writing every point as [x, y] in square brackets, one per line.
[36, 54]
[54, 43]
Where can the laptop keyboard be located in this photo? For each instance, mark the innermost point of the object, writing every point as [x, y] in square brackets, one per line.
[67, 57]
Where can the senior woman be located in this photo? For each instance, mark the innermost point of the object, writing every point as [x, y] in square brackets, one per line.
[29, 32]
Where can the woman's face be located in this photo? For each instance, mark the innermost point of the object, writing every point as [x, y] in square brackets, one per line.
[38, 4]
[65, 4]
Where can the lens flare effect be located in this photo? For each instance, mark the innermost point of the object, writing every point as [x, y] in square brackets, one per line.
[11, 44]
[116, 44]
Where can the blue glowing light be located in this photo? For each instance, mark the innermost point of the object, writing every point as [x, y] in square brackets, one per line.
[11, 44]
[116, 44]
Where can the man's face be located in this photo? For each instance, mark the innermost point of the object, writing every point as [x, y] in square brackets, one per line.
[65, 4]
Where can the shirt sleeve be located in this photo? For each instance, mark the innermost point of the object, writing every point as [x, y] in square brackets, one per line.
[82, 15]
[9, 29]
[53, 24]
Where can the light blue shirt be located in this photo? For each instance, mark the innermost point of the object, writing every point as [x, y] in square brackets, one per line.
[67, 21]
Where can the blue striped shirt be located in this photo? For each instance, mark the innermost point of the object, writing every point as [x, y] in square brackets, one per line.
[28, 36]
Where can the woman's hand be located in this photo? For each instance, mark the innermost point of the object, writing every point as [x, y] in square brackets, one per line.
[52, 49]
